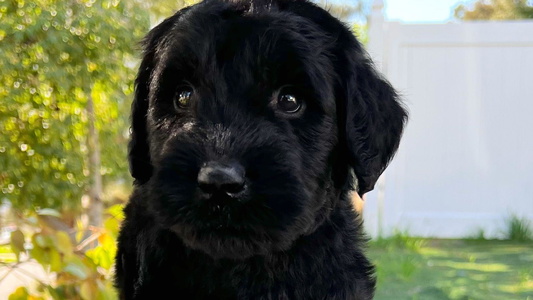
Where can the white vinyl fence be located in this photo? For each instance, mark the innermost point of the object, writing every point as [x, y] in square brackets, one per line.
[466, 159]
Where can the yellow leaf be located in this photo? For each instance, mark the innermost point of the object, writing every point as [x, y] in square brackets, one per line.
[19, 294]
[117, 211]
[112, 225]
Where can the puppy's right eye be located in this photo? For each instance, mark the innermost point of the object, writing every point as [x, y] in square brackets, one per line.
[289, 103]
[183, 97]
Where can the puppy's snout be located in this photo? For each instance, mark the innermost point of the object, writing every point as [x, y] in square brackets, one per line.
[216, 177]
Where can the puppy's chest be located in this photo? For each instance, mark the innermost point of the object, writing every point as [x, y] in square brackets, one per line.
[284, 279]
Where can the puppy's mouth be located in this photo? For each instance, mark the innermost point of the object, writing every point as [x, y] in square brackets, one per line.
[228, 225]
[220, 210]
[224, 227]
[237, 193]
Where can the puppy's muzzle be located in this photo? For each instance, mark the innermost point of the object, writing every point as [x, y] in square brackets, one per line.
[216, 178]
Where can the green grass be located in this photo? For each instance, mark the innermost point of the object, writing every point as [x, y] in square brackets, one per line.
[412, 268]
[518, 229]
[478, 235]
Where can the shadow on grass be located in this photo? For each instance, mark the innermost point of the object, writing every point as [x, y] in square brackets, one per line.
[411, 268]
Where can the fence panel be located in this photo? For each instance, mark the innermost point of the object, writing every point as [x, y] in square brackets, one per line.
[466, 159]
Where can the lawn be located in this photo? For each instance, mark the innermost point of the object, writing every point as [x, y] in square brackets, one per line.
[410, 268]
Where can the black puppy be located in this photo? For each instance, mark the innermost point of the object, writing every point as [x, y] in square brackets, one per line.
[250, 120]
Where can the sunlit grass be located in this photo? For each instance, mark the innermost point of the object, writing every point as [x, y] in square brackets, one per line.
[473, 266]
[452, 269]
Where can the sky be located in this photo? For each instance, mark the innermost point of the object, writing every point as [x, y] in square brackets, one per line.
[416, 11]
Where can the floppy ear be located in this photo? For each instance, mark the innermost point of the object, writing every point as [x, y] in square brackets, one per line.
[374, 120]
[371, 118]
[138, 148]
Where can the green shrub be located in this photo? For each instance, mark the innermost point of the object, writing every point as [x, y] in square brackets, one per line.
[518, 229]
[80, 260]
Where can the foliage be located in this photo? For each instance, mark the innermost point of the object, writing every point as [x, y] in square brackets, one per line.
[361, 32]
[55, 54]
[165, 8]
[80, 272]
[344, 11]
[518, 229]
[495, 10]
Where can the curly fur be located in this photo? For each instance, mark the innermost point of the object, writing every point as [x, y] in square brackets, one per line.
[293, 234]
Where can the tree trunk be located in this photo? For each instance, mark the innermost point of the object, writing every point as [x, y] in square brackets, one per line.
[96, 207]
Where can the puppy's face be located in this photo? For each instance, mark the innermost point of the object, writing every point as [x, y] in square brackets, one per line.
[243, 125]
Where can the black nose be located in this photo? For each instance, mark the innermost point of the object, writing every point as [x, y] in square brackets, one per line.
[219, 177]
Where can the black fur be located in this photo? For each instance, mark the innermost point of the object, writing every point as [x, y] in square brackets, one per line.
[293, 234]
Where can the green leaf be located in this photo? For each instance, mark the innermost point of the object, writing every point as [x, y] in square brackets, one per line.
[39, 240]
[49, 212]
[64, 243]
[39, 254]
[53, 293]
[87, 290]
[55, 260]
[44, 240]
[77, 268]
[17, 242]
[106, 291]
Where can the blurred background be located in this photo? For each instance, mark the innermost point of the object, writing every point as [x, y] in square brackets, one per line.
[451, 218]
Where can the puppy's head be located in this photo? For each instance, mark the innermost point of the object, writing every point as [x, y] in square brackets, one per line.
[247, 119]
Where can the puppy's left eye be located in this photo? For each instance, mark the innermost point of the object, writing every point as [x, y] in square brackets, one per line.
[183, 97]
[289, 103]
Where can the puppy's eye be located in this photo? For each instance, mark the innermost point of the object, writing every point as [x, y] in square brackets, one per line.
[183, 97]
[288, 103]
